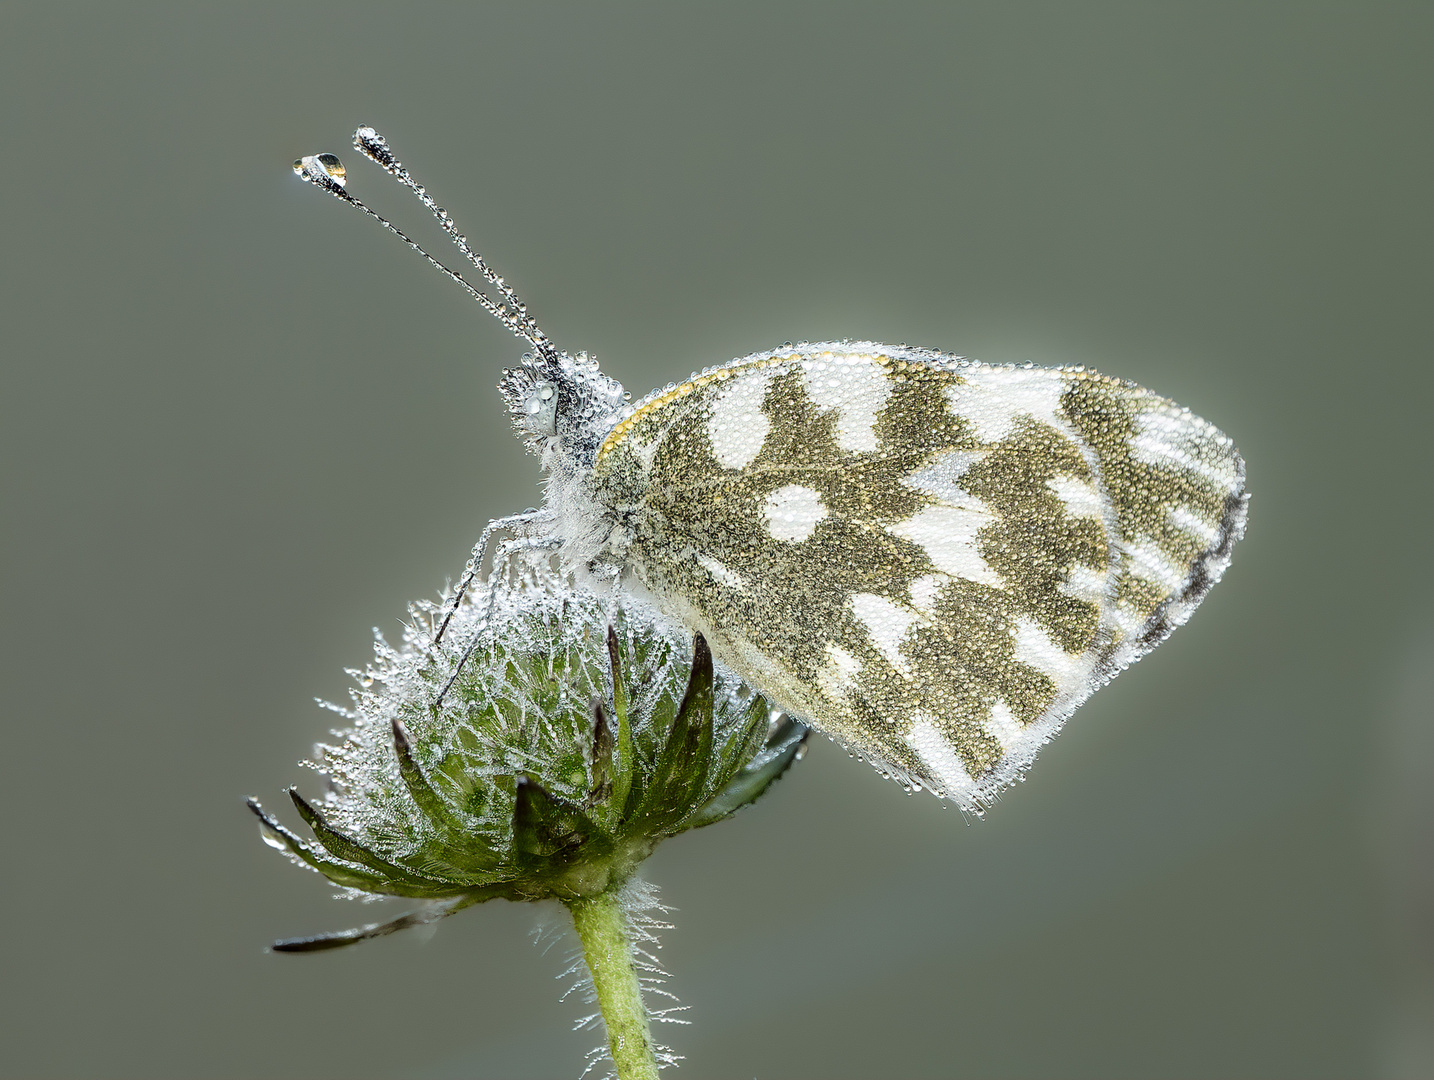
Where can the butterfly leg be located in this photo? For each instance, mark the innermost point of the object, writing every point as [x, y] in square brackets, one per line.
[505, 555]
[502, 560]
[475, 561]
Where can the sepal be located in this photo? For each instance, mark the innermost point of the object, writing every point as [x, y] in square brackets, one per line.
[570, 738]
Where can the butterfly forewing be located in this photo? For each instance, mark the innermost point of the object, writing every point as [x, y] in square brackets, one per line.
[931, 559]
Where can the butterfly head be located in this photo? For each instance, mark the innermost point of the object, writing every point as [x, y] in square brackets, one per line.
[562, 406]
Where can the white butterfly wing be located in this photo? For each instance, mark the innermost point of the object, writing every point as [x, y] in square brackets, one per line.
[933, 560]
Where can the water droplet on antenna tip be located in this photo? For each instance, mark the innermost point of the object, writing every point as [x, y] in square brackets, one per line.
[311, 166]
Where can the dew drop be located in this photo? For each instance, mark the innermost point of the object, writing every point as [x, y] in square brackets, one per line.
[272, 840]
[311, 166]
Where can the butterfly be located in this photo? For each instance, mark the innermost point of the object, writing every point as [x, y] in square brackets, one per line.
[933, 560]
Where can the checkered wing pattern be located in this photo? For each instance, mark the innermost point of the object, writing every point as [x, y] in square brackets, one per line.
[933, 560]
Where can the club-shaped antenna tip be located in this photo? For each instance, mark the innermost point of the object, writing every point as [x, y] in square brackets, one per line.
[374, 146]
[321, 169]
[326, 172]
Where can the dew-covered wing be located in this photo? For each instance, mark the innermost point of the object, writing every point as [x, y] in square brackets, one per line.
[931, 559]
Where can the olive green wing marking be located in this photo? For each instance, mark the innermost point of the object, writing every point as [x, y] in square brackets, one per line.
[919, 555]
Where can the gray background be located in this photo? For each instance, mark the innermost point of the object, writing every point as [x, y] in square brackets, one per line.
[241, 426]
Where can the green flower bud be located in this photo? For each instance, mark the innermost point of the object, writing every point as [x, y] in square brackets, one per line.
[538, 744]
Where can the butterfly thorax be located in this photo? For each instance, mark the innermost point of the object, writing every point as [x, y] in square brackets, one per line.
[562, 407]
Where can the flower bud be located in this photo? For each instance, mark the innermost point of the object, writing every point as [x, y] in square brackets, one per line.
[538, 744]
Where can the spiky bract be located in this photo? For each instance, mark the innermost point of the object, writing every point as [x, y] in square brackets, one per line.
[576, 734]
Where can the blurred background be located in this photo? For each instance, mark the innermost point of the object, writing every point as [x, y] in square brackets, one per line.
[240, 427]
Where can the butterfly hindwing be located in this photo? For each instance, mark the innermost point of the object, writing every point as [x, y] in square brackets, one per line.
[931, 559]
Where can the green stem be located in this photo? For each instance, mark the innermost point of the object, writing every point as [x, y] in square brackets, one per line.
[603, 930]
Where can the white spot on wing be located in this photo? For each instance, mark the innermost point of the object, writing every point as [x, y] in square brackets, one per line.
[885, 622]
[792, 512]
[1187, 520]
[842, 666]
[1077, 496]
[1149, 563]
[646, 452]
[1003, 726]
[942, 763]
[925, 589]
[1092, 586]
[941, 476]
[738, 427]
[948, 536]
[992, 400]
[1181, 441]
[1126, 619]
[720, 572]
[854, 386]
[1035, 648]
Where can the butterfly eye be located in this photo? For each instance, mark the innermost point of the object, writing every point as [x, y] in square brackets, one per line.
[540, 410]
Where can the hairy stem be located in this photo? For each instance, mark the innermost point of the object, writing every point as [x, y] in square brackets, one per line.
[607, 947]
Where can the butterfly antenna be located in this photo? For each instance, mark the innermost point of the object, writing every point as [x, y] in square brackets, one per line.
[327, 172]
